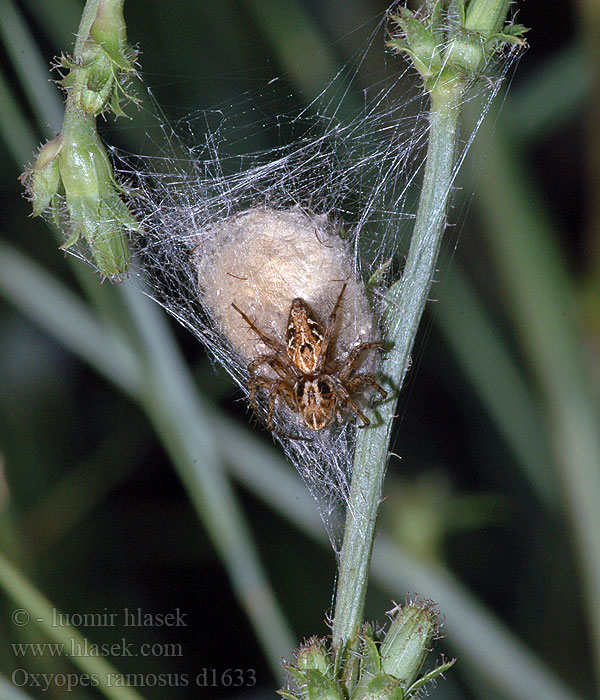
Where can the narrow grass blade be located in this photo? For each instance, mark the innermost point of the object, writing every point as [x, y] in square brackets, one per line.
[51, 305]
[181, 420]
[528, 112]
[33, 606]
[543, 304]
[486, 361]
[14, 129]
[8, 691]
[31, 68]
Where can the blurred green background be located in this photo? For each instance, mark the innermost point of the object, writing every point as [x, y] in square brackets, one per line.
[131, 477]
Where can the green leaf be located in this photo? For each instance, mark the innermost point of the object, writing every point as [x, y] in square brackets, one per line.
[320, 688]
[384, 687]
[370, 660]
[288, 696]
[428, 677]
[110, 32]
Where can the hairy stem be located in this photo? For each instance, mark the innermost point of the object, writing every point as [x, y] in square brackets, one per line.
[406, 302]
[87, 19]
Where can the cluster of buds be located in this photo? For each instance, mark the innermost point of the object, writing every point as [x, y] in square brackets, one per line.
[74, 167]
[369, 669]
[451, 41]
[97, 79]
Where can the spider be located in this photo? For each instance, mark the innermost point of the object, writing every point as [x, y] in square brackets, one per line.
[311, 383]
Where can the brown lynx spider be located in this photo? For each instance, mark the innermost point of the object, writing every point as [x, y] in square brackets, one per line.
[311, 383]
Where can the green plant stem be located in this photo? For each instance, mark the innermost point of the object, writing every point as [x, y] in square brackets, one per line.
[406, 302]
[87, 19]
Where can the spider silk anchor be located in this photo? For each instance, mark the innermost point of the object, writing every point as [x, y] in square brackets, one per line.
[313, 385]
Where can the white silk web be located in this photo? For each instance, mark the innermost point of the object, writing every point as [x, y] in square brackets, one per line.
[339, 175]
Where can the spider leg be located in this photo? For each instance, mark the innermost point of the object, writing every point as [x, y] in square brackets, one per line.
[359, 379]
[273, 392]
[275, 345]
[350, 362]
[258, 361]
[329, 330]
[281, 368]
[288, 395]
[253, 384]
[343, 397]
[275, 388]
[356, 409]
[273, 361]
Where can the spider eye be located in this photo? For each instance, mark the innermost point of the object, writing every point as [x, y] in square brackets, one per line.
[324, 388]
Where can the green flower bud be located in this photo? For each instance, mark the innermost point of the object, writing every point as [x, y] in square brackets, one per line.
[90, 89]
[450, 47]
[90, 85]
[44, 177]
[408, 640]
[95, 209]
[370, 662]
[313, 656]
[419, 43]
[312, 673]
[467, 53]
[486, 17]
[369, 666]
[110, 32]
[96, 80]
[84, 165]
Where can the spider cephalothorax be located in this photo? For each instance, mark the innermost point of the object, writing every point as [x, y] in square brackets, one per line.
[308, 380]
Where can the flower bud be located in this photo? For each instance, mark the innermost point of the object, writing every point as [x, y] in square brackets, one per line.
[486, 16]
[408, 640]
[418, 42]
[44, 177]
[96, 80]
[110, 31]
[319, 687]
[313, 655]
[91, 85]
[95, 209]
[450, 47]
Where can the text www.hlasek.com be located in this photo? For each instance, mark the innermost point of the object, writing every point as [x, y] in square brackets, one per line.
[83, 647]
